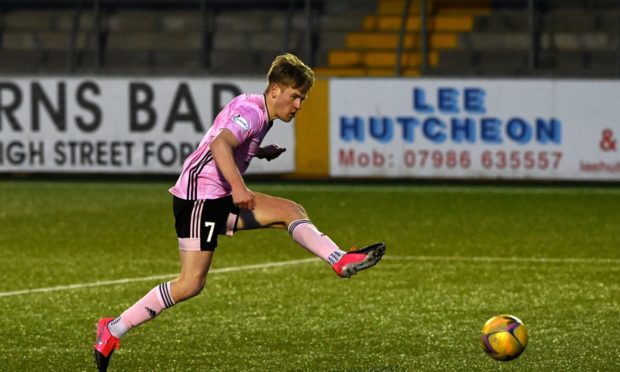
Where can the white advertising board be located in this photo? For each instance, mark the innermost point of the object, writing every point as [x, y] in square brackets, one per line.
[475, 129]
[118, 125]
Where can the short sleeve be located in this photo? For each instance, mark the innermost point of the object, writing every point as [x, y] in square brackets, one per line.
[243, 122]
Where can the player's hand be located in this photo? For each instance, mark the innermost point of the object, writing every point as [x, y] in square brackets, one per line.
[270, 152]
[244, 198]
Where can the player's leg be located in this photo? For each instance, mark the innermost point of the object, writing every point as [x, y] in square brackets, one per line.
[189, 283]
[196, 244]
[282, 213]
[195, 223]
[194, 268]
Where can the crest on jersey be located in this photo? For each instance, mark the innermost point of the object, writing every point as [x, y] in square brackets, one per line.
[241, 122]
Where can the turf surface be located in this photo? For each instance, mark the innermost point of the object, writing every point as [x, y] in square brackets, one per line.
[456, 256]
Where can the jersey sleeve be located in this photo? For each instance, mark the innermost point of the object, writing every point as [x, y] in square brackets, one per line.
[243, 122]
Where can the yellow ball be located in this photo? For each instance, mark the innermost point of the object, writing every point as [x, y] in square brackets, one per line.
[504, 337]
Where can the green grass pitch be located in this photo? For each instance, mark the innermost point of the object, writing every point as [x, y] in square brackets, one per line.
[73, 252]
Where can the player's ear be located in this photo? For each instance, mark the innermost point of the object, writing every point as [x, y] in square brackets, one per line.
[274, 90]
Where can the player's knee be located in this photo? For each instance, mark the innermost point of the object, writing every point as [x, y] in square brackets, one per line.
[295, 211]
[298, 210]
[188, 288]
[195, 287]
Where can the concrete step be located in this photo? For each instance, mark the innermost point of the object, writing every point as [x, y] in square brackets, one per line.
[570, 5]
[569, 20]
[251, 63]
[331, 40]
[435, 23]
[248, 62]
[134, 21]
[341, 23]
[344, 7]
[145, 40]
[30, 20]
[437, 7]
[258, 21]
[180, 21]
[362, 72]
[23, 61]
[603, 61]
[49, 40]
[145, 62]
[577, 20]
[389, 40]
[509, 63]
[265, 40]
[377, 59]
[554, 41]
[492, 62]
[502, 21]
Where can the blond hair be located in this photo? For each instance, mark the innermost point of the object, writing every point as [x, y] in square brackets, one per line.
[290, 71]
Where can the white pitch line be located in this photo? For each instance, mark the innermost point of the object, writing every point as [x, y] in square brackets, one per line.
[508, 259]
[440, 189]
[309, 260]
[154, 277]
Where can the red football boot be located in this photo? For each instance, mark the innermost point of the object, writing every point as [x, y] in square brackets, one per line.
[105, 344]
[358, 260]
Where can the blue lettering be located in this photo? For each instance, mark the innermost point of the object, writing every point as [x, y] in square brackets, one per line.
[408, 124]
[474, 100]
[548, 131]
[519, 130]
[352, 128]
[447, 100]
[419, 101]
[489, 130]
[434, 130]
[459, 130]
[463, 130]
[381, 129]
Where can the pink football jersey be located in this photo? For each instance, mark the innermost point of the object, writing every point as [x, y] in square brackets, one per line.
[247, 118]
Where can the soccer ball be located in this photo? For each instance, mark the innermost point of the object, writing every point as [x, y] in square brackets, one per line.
[504, 337]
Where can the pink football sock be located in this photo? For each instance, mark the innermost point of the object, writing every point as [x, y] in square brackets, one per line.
[147, 308]
[307, 235]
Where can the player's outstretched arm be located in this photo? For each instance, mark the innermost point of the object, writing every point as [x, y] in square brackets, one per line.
[222, 148]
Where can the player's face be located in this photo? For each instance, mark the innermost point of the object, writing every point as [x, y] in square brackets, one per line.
[287, 102]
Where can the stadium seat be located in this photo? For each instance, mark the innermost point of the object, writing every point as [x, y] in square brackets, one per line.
[347, 38]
